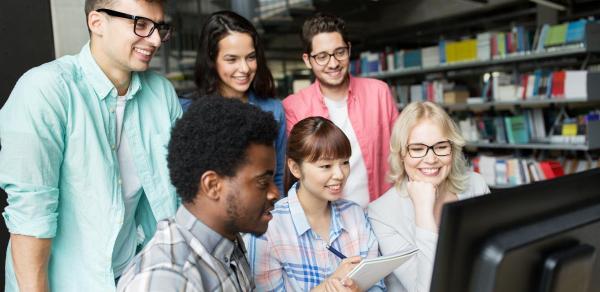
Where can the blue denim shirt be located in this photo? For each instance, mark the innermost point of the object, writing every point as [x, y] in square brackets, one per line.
[268, 105]
[59, 166]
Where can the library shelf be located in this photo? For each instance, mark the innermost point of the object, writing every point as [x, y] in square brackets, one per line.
[540, 146]
[521, 103]
[511, 58]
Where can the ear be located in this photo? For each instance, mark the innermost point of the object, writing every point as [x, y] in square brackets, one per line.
[294, 168]
[210, 185]
[306, 59]
[96, 22]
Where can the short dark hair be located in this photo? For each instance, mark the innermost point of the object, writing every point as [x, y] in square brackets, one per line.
[320, 23]
[91, 5]
[214, 134]
[315, 138]
[218, 26]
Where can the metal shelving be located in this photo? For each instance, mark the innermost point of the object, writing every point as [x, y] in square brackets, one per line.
[512, 58]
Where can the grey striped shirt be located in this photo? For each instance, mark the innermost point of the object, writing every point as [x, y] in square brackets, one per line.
[186, 255]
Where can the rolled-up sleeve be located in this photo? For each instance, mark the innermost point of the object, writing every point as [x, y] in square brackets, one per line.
[32, 133]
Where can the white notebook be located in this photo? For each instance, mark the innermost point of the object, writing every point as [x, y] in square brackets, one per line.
[370, 271]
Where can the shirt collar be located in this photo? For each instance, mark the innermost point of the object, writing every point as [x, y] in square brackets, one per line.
[99, 81]
[351, 88]
[213, 242]
[301, 222]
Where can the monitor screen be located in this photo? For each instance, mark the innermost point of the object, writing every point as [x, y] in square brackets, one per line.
[542, 237]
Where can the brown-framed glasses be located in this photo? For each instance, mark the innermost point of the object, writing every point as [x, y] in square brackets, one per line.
[340, 54]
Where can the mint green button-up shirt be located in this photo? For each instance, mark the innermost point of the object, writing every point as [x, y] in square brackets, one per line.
[59, 166]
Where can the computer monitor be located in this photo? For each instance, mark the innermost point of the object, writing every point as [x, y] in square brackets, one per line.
[541, 237]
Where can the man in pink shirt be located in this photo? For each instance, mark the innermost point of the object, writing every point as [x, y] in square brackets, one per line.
[363, 108]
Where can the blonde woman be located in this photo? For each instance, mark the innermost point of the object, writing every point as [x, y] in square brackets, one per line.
[428, 170]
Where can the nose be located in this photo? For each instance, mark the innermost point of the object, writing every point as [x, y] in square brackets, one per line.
[273, 192]
[333, 62]
[338, 172]
[430, 157]
[244, 68]
[155, 39]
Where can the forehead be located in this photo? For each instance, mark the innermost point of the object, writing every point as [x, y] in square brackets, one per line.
[236, 43]
[327, 41]
[260, 160]
[427, 132]
[149, 9]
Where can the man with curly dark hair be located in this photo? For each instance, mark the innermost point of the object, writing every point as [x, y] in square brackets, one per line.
[222, 163]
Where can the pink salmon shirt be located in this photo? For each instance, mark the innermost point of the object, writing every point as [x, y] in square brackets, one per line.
[372, 112]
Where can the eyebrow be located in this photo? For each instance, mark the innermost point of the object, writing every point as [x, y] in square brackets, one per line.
[429, 145]
[268, 173]
[234, 55]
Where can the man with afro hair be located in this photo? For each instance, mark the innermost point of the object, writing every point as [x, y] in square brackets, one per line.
[222, 162]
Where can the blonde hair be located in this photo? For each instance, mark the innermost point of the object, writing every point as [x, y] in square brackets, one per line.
[410, 116]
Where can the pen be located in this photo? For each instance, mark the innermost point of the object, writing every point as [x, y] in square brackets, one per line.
[335, 252]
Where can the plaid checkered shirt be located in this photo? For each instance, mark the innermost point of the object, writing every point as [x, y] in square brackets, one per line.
[186, 255]
[290, 256]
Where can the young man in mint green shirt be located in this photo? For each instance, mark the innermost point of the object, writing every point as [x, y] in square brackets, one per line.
[83, 154]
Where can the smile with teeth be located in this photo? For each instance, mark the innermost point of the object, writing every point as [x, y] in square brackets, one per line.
[143, 52]
[241, 78]
[430, 171]
[334, 188]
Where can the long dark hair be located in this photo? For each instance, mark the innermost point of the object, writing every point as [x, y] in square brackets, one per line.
[217, 27]
[315, 138]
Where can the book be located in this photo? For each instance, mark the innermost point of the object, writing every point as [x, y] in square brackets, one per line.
[370, 271]
[576, 31]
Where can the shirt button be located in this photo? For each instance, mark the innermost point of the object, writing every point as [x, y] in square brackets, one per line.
[113, 147]
[112, 110]
[120, 181]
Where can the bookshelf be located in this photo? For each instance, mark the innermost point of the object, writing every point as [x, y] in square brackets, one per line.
[535, 102]
[519, 102]
[566, 51]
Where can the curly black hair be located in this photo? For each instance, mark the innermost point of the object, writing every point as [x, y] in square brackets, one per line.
[214, 134]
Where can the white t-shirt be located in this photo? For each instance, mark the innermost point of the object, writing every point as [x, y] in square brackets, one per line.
[131, 186]
[357, 185]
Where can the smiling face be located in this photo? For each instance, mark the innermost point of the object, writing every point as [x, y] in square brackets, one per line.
[334, 73]
[323, 179]
[115, 46]
[252, 192]
[236, 64]
[430, 168]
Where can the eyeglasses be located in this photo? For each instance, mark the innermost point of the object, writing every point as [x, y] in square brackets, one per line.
[418, 150]
[340, 54]
[142, 26]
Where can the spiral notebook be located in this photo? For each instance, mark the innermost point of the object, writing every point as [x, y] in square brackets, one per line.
[370, 271]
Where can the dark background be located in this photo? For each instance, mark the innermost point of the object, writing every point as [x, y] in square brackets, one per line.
[26, 41]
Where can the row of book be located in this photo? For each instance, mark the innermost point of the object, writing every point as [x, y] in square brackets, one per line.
[498, 86]
[482, 47]
[504, 171]
[539, 84]
[531, 126]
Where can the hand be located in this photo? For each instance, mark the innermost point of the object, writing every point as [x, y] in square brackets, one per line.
[333, 284]
[422, 195]
[346, 266]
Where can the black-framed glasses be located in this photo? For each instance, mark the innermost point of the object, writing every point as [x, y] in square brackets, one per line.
[418, 150]
[340, 54]
[142, 26]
